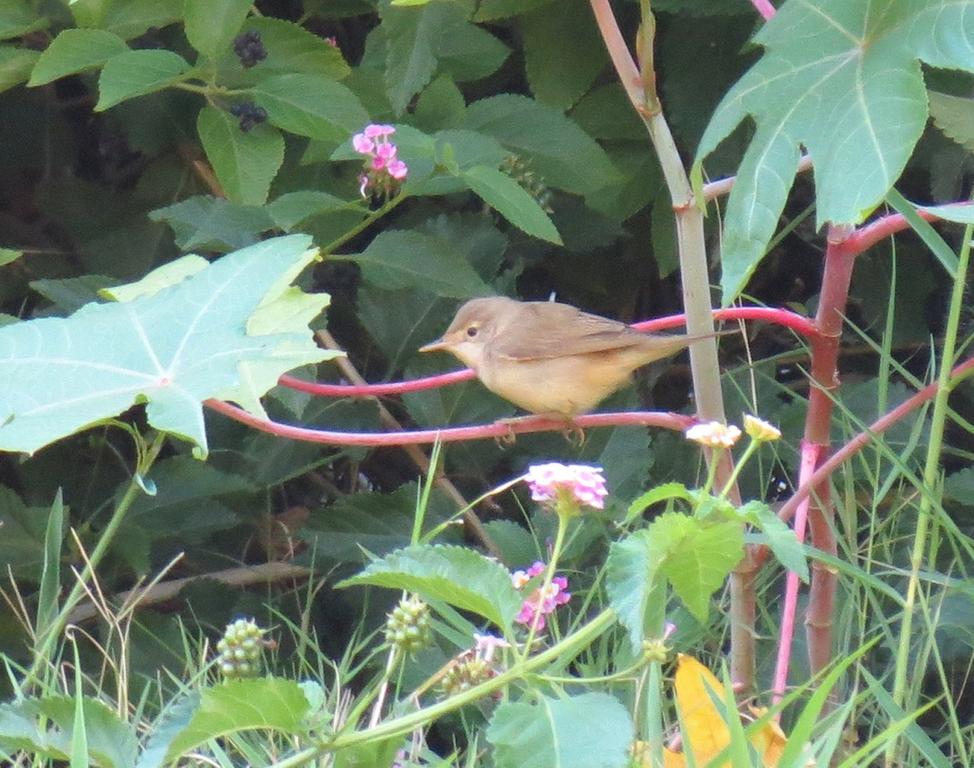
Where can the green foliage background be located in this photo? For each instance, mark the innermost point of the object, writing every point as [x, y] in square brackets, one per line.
[108, 109]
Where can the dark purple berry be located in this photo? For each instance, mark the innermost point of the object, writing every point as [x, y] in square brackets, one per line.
[249, 48]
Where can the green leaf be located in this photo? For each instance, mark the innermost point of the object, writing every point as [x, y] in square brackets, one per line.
[563, 52]
[135, 17]
[136, 73]
[962, 213]
[50, 588]
[17, 19]
[9, 256]
[490, 10]
[782, 539]
[959, 486]
[167, 275]
[45, 727]
[292, 208]
[405, 259]
[244, 162]
[593, 730]
[313, 106]
[664, 492]
[73, 51]
[212, 24]
[440, 105]
[461, 577]
[172, 350]
[417, 38]
[696, 556]
[22, 543]
[214, 224]
[955, 117]
[271, 704]
[633, 584]
[508, 198]
[931, 237]
[561, 152]
[71, 293]
[15, 66]
[855, 99]
[187, 506]
[290, 49]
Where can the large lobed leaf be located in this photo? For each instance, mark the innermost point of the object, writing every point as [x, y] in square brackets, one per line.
[842, 78]
[171, 349]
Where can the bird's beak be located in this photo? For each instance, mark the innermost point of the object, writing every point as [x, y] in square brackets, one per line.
[435, 346]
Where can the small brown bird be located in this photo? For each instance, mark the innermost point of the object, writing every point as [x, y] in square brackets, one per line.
[548, 358]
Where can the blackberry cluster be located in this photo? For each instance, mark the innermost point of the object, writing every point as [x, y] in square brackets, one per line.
[249, 114]
[240, 649]
[408, 625]
[249, 48]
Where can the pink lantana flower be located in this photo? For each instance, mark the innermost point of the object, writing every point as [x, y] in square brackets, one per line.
[567, 486]
[384, 171]
[538, 604]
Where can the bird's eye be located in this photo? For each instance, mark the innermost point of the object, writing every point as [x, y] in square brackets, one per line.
[472, 331]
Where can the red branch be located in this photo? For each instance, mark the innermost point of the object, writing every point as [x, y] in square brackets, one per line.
[764, 7]
[497, 430]
[860, 441]
[796, 322]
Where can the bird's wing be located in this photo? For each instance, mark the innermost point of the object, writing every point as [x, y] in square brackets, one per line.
[546, 329]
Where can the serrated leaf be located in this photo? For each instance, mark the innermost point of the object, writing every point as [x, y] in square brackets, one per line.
[632, 584]
[418, 38]
[955, 117]
[593, 730]
[508, 198]
[697, 556]
[960, 486]
[461, 577]
[563, 52]
[290, 49]
[558, 150]
[212, 24]
[22, 540]
[17, 19]
[244, 162]
[271, 703]
[73, 51]
[136, 73]
[214, 224]
[781, 539]
[172, 350]
[135, 17]
[404, 259]
[15, 65]
[292, 208]
[46, 727]
[843, 79]
[490, 10]
[663, 492]
[312, 106]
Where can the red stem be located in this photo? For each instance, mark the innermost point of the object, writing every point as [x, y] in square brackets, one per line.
[764, 7]
[860, 441]
[796, 322]
[502, 429]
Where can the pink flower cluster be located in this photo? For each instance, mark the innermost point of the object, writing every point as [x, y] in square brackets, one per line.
[539, 605]
[382, 167]
[576, 483]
